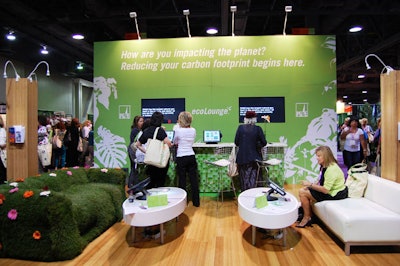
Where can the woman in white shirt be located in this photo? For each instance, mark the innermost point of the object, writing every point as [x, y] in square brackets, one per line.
[354, 137]
[186, 163]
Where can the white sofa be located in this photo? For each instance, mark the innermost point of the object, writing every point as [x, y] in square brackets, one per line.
[371, 220]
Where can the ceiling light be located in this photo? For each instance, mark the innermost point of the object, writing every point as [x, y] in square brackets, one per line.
[79, 66]
[78, 36]
[364, 92]
[345, 96]
[233, 11]
[212, 31]
[361, 76]
[44, 50]
[10, 36]
[365, 100]
[355, 29]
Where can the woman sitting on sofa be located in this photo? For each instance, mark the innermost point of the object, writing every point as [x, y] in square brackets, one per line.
[329, 186]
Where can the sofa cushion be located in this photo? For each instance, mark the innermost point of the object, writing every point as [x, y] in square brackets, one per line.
[359, 220]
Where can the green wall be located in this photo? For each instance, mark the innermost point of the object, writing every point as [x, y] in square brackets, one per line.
[211, 73]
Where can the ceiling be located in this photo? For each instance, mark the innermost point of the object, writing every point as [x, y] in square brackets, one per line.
[51, 23]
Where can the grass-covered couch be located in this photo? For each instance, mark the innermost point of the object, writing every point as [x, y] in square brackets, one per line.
[75, 207]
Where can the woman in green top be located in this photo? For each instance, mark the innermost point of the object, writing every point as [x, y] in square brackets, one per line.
[330, 185]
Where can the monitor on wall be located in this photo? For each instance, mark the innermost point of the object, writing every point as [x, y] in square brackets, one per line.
[272, 106]
[169, 107]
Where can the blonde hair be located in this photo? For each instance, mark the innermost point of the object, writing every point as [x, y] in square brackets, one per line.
[327, 155]
[185, 119]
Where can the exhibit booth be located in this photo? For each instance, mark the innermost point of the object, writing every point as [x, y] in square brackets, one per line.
[290, 78]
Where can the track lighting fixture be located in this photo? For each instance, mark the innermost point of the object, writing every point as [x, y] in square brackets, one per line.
[17, 77]
[33, 71]
[388, 68]
[186, 12]
[134, 16]
[233, 11]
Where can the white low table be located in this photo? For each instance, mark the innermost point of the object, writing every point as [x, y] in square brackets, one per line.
[138, 214]
[277, 215]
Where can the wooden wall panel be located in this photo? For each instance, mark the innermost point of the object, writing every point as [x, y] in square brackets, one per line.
[390, 106]
[22, 105]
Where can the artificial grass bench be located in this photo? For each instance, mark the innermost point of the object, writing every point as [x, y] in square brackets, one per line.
[54, 216]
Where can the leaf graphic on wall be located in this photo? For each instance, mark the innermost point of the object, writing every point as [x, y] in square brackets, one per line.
[102, 89]
[320, 131]
[110, 149]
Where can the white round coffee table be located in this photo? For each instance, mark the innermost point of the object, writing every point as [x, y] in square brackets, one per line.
[277, 214]
[138, 213]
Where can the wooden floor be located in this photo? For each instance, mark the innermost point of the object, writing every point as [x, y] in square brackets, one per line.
[205, 236]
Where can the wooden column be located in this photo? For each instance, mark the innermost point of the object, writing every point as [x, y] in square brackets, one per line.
[22, 106]
[390, 107]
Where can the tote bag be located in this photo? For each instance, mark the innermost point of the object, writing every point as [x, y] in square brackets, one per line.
[157, 152]
[357, 180]
[232, 167]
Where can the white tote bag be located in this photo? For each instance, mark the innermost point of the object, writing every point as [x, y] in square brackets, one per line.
[157, 152]
[232, 167]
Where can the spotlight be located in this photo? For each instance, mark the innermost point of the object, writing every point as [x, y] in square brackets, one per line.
[233, 11]
[388, 68]
[288, 9]
[134, 16]
[10, 36]
[17, 77]
[33, 71]
[186, 13]
[44, 50]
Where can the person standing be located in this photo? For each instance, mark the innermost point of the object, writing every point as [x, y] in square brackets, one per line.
[59, 153]
[354, 139]
[157, 175]
[329, 186]
[136, 128]
[43, 141]
[250, 139]
[3, 151]
[186, 163]
[72, 137]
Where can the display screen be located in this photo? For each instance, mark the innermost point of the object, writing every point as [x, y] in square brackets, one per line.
[211, 136]
[170, 108]
[272, 106]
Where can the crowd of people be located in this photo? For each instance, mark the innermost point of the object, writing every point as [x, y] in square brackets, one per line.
[64, 143]
[358, 141]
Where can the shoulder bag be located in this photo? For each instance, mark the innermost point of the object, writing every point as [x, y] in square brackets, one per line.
[232, 167]
[157, 152]
[357, 180]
